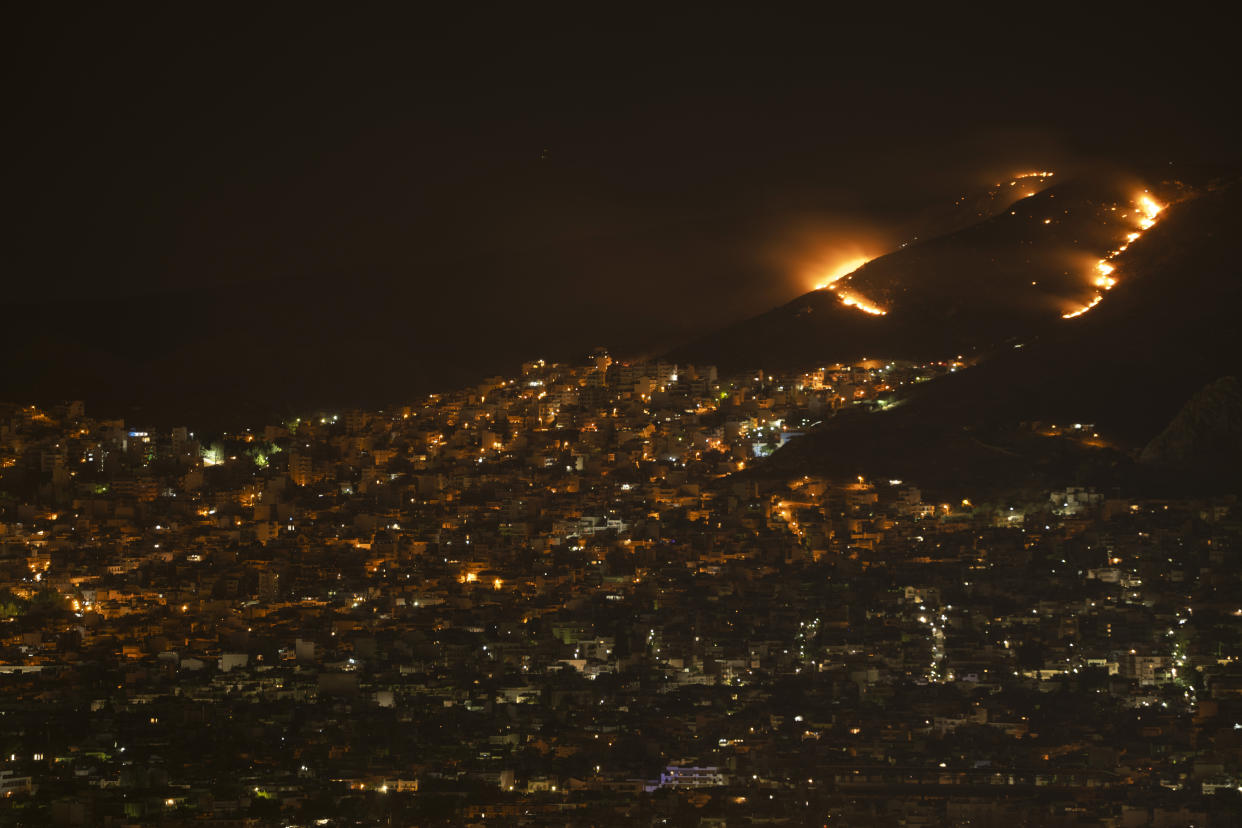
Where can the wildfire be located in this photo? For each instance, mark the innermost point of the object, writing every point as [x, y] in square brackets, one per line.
[1037, 174]
[1104, 280]
[1148, 209]
[842, 270]
[1094, 301]
[853, 300]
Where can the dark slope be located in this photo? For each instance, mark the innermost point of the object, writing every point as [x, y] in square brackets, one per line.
[1206, 433]
[1169, 328]
[1006, 278]
[974, 205]
[245, 354]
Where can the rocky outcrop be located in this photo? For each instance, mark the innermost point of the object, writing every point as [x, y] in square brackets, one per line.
[1206, 432]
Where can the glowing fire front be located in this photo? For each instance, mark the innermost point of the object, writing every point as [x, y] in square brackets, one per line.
[1150, 210]
[853, 300]
[1104, 280]
[841, 271]
[849, 298]
[1147, 211]
[1024, 178]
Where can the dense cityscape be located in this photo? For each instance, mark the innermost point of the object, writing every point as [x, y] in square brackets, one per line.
[515, 415]
[570, 596]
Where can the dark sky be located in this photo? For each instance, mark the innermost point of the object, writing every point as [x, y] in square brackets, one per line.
[612, 168]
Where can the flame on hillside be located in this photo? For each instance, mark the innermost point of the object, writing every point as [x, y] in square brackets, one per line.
[1104, 281]
[853, 300]
[1021, 176]
[1146, 211]
[849, 298]
[1025, 182]
[841, 270]
[1150, 210]
[831, 268]
[841, 249]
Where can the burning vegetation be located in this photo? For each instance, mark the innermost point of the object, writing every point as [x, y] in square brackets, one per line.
[1145, 212]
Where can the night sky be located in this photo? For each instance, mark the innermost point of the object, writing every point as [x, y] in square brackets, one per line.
[634, 177]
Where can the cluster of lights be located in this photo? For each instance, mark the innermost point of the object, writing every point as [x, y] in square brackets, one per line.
[934, 674]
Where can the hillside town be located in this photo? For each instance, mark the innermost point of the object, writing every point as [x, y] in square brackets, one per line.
[570, 596]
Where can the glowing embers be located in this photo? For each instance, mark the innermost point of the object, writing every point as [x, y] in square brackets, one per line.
[1020, 176]
[1148, 209]
[1023, 178]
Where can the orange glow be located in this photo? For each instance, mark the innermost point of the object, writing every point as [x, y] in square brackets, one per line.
[1025, 179]
[1104, 280]
[1095, 301]
[842, 269]
[853, 300]
[1148, 209]
[819, 249]
[838, 261]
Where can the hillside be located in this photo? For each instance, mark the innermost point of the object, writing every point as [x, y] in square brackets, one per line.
[1007, 278]
[1167, 330]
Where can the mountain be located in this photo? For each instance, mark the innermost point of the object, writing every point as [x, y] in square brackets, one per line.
[1126, 368]
[1207, 431]
[1008, 278]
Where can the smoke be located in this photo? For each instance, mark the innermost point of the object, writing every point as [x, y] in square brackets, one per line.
[815, 251]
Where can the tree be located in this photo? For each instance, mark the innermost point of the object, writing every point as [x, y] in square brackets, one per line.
[1031, 655]
[48, 601]
[12, 604]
